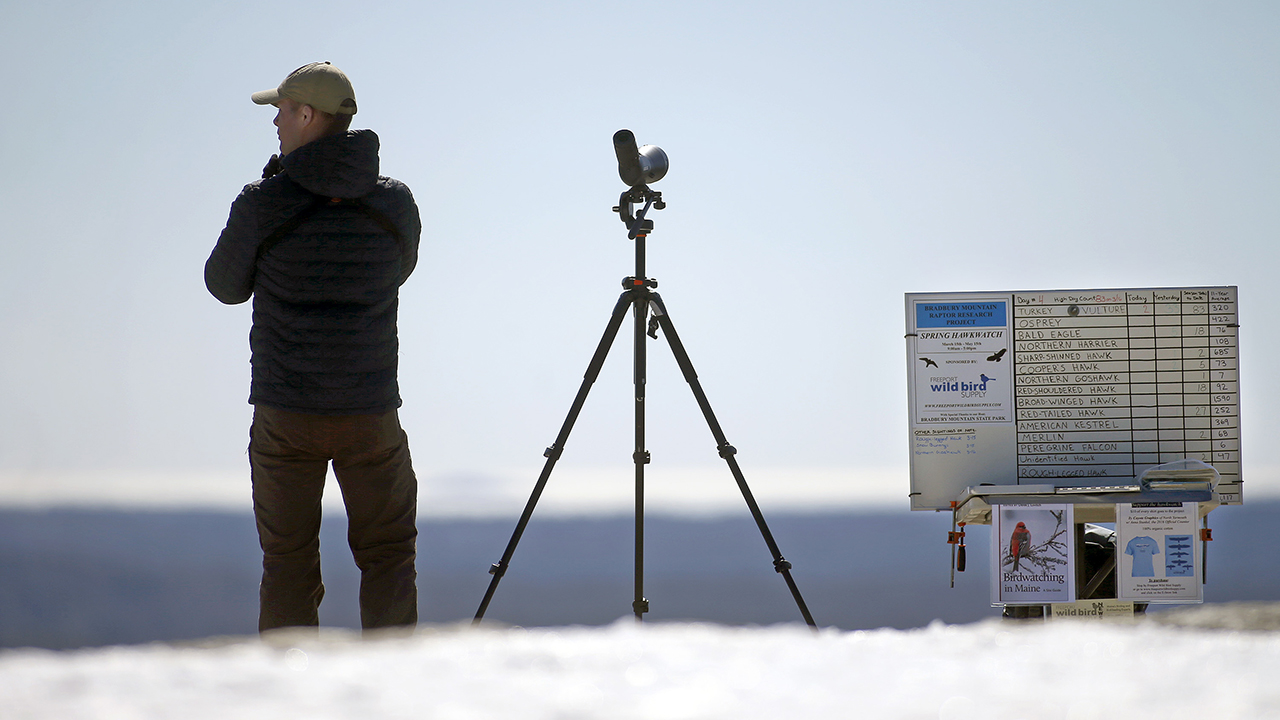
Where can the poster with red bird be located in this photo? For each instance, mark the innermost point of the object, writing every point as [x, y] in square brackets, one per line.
[1033, 556]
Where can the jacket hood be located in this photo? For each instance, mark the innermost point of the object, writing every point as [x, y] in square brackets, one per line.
[343, 166]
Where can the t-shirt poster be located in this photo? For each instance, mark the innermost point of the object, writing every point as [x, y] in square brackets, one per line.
[1156, 546]
[1032, 554]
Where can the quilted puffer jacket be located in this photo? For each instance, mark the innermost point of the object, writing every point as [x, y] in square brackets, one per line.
[325, 295]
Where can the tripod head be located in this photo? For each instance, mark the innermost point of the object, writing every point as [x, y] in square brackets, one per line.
[636, 223]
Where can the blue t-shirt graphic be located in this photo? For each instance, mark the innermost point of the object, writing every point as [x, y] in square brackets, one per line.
[1142, 549]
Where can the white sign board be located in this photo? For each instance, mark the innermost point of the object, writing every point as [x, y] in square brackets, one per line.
[1032, 554]
[1070, 387]
[1157, 555]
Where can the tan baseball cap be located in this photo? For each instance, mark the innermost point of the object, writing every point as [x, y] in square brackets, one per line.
[320, 85]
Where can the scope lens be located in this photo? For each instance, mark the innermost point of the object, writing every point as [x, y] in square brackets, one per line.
[653, 164]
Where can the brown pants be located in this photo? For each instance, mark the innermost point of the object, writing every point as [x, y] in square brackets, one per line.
[289, 454]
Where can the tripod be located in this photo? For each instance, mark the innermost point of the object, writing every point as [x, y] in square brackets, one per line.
[650, 315]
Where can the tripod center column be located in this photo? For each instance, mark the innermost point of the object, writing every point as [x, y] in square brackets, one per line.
[641, 456]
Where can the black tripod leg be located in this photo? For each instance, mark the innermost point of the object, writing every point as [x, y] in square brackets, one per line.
[726, 450]
[552, 453]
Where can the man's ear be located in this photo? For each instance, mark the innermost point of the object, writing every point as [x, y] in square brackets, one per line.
[306, 114]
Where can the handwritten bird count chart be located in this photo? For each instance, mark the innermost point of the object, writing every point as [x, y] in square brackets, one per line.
[1070, 387]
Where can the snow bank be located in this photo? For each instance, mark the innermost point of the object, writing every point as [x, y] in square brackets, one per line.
[990, 670]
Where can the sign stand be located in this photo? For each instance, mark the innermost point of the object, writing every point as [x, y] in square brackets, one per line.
[1139, 514]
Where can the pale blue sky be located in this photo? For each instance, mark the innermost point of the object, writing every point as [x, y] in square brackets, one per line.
[825, 159]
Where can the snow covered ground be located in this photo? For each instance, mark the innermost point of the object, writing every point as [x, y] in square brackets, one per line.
[1064, 670]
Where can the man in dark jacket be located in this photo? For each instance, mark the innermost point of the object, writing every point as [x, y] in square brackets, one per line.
[322, 243]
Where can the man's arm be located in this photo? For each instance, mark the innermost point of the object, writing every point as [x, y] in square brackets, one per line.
[229, 271]
[409, 223]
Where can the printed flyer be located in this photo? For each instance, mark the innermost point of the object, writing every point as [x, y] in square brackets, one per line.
[961, 371]
[1157, 559]
[1032, 554]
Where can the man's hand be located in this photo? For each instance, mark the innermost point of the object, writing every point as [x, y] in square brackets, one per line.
[273, 167]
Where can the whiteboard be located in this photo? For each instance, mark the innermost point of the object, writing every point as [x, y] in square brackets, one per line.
[1069, 387]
